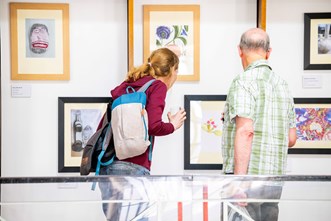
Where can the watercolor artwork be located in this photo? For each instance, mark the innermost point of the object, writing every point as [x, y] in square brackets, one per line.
[313, 124]
[203, 131]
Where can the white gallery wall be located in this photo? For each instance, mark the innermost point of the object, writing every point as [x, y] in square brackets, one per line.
[98, 62]
[286, 28]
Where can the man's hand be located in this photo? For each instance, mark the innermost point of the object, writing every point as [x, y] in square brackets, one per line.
[240, 194]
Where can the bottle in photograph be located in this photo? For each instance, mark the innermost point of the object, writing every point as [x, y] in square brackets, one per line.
[78, 133]
[87, 133]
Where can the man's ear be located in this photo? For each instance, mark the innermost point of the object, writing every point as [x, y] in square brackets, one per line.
[240, 52]
[268, 53]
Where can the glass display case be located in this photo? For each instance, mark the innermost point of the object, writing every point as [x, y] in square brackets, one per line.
[178, 198]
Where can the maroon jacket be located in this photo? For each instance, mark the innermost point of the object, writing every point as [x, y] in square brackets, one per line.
[156, 94]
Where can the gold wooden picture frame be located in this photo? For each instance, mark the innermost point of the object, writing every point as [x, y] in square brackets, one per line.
[261, 22]
[39, 41]
[176, 27]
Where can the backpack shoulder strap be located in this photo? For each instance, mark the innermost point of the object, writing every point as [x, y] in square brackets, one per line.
[143, 89]
[108, 111]
[146, 85]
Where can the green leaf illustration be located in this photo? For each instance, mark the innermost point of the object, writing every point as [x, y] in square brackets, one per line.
[218, 132]
[183, 40]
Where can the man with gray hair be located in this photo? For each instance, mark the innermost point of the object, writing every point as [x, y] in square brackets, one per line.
[259, 123]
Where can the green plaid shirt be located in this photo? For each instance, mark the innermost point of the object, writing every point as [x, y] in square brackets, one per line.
[261, 95]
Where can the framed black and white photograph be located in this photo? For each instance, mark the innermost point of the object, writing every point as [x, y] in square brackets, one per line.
[317, 41]
[203, 132]
[79, 118]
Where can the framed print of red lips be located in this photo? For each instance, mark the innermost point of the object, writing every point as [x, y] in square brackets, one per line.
[39, 41]
[39, 38]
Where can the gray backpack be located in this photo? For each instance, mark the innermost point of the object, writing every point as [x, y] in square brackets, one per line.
[115, 137]
[130, 122]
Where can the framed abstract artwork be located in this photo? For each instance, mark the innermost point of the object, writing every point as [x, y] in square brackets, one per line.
[176, 27]
[78, 119]
[39, 41]
[313, 126]
[203, 131]
[317, 41]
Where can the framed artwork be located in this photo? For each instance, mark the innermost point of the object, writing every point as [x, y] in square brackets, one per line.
[134, 30]
[203, 131]
[39, 41]
[79, 118]
[176, 27]
[313, 126]
[317, 41]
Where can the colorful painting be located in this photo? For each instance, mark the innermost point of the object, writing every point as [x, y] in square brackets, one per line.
[313, 126]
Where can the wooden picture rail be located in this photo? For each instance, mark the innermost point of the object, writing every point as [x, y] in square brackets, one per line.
[261, 14]
[130, 33]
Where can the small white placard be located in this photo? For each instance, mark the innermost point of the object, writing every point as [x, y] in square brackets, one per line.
[21, 90]
[312, 81]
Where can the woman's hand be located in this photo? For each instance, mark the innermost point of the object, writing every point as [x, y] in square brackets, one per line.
[178, 118]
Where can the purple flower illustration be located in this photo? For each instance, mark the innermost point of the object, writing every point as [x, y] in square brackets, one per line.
[174, 37]
[183, 32]
[163, 32]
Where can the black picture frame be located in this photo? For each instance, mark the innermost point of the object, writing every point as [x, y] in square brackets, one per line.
[315, 59]
[319, 115]
[91, 110]
[301, 147]
[211, 103]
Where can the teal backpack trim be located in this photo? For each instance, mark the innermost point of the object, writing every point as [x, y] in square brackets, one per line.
[99, 164]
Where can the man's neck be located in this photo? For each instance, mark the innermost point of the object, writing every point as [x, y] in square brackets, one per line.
[251, 58]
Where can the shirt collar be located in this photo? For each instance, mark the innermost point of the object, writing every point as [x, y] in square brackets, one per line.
[258, 63]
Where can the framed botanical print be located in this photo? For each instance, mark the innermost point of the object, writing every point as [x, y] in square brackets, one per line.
[176, 27]
[203, 131]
